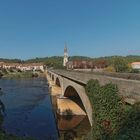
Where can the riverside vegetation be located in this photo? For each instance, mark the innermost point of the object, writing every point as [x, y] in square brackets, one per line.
[13, 73]
[113, 119]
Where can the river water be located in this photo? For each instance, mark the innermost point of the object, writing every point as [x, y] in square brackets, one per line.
[28, 108]
[29, 112]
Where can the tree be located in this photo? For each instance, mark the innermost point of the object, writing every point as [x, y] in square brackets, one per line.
[130, 129]
[120, 64]
[107, 109]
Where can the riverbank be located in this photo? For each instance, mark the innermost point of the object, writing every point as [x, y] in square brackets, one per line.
[16, 75]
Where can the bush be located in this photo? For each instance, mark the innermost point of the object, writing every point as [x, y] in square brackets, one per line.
[130, 129]
[120, 64]
[108, 109]
[135, 71]
[113, 120]
[110, 69]
[1, 74]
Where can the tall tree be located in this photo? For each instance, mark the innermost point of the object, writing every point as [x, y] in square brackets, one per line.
[120, 64]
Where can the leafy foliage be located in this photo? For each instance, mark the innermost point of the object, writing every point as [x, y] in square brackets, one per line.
[11, 60]
[130, 129]
[120, 64]
[108, 109]
[113, 120]
[135, 71]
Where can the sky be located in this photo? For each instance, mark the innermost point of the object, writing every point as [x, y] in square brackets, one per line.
[94, 28]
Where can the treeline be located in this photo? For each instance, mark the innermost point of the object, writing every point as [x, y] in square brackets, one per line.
[129, 58]
[57, 61]
[10, 60]
[112, 63]
[54, 61]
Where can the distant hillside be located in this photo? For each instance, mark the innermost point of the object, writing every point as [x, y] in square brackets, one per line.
[79, 58]
[56, 61]
[129, 58]
[10, 60]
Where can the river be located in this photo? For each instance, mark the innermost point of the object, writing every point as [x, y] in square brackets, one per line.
[29, 110]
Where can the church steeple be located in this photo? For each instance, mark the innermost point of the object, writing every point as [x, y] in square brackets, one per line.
[65, 59]
[65, 49]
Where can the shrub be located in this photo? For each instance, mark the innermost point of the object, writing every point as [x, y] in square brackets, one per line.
[120, 64]
[110, 69]
[135, 71]
[107, 109]
[130, 129]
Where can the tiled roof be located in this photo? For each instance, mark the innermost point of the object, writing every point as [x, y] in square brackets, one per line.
[135, 63]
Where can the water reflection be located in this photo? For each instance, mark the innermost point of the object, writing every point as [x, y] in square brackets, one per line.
[2, 113]
[70, 135]
[69, 122]
[71, 127]
[2, 108]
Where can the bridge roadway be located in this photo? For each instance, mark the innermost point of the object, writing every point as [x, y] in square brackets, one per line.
[127, 88]
[73, 83]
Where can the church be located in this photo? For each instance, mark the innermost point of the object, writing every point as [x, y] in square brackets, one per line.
[75, 64]
[84, 65]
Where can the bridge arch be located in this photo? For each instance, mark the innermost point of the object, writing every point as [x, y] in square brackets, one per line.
[79, 96]
[57, 82]
[76, 92]
[52, 77]
[72, 93]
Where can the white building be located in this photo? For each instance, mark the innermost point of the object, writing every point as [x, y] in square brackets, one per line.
[135, 65]
[23, 67]
[32, 67]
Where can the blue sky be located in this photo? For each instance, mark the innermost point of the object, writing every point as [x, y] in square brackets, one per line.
[40, 28]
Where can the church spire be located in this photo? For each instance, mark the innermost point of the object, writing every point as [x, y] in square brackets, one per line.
[65, 59]
[65, 49]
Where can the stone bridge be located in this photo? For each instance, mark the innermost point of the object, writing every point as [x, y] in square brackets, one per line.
[73, 86]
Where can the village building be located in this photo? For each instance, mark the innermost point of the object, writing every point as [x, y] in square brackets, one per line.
[135, 65]
[23, 67]
[31, 67]
[80, 64]
[1, 64]
[87, 65]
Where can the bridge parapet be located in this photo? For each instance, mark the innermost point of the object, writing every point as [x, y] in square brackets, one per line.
[127, 88]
